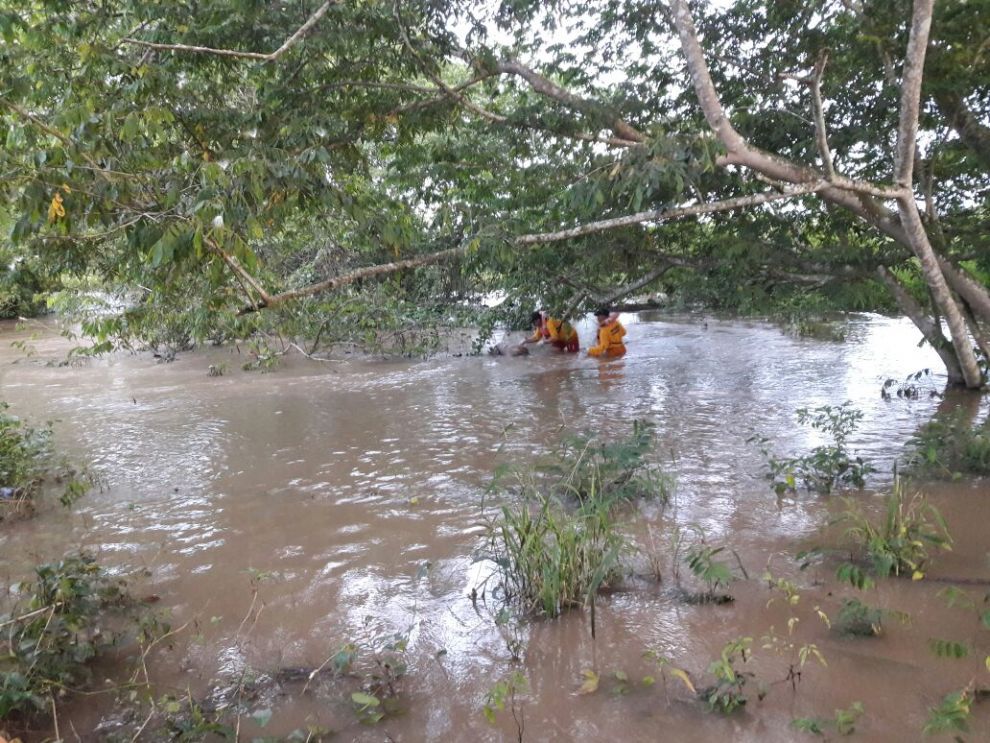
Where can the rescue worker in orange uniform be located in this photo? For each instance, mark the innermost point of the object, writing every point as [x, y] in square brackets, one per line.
[610, 334]
[558, 333]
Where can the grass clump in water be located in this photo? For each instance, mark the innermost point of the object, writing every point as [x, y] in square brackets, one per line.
[584, 467]
[902, 540]
[561, 542]
[549, 558]
[950, 446]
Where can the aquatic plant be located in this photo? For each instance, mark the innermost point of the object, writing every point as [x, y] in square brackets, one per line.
[949, 446]
[843, 721]
[55, 628]
[702, 560]
[952, 713]
[826, 467]
[27, 460]
[506, 693]
[549, 558]
[901, 541]
[715, 574]
[857, 618]
[585, 467]
[726, 694]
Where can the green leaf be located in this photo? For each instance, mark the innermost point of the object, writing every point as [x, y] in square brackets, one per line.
[262, 717]
[365, 700]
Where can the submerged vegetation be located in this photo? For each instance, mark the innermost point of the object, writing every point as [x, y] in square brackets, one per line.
[950, 445]
[27, 463]
[55, 628]
[560, 541]
[902, 540]
[826, 467]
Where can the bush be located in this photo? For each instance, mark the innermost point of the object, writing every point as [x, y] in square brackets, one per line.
[53, 631]
[26, 460]
[583, 467]
[561, 543]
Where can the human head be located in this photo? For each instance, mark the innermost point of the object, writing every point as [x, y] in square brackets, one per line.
[536, 318]
[602, 315]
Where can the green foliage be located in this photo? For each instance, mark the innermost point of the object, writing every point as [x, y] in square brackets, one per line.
[951, 714]
[857, 618]
[950, 445]
[902, 539]
[826, 467]
[948, 648]
[504, 692]
[726, 694]
[561, 542]
[855, 576]
[188, 721]
[53, 631]
[585, 468]
[27, 460]
[715, 574]
[549, 558]
[843, 722]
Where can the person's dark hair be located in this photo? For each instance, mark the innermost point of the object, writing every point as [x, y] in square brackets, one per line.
[603, 312]
[535, 318]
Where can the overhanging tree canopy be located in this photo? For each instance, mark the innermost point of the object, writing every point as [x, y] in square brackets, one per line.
[165, 144]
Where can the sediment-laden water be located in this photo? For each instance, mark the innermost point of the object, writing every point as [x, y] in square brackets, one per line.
[348, 495]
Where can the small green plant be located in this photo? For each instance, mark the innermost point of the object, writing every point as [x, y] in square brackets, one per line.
[504, 694]
[53, 631]
[901, 541]
[857, 618]
[826, 467]
[703, 562]
[715, 574]
[950, 445]
[726, 694]
[952, 713]
[843, 722]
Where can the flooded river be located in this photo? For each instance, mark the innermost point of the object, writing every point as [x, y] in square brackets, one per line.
[293, 512]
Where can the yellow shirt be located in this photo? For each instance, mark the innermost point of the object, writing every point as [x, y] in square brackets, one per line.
[554, 330]
[560, 330]
[609, 341]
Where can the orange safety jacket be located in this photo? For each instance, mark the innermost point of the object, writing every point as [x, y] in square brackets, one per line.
[609, 341]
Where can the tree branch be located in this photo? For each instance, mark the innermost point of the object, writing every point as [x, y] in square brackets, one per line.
[270, 57]
[628, 134]
[673, 213]
[336, 282]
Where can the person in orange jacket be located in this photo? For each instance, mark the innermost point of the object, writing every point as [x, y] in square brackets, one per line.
[610, 334]
[559, 333]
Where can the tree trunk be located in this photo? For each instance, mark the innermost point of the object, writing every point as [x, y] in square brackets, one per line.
[972, 378]
[929, 329]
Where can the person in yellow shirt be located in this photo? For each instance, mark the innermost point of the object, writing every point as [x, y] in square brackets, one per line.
[610, 334]
[558, 333]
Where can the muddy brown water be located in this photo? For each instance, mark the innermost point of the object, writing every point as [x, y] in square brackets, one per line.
[349, 495]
